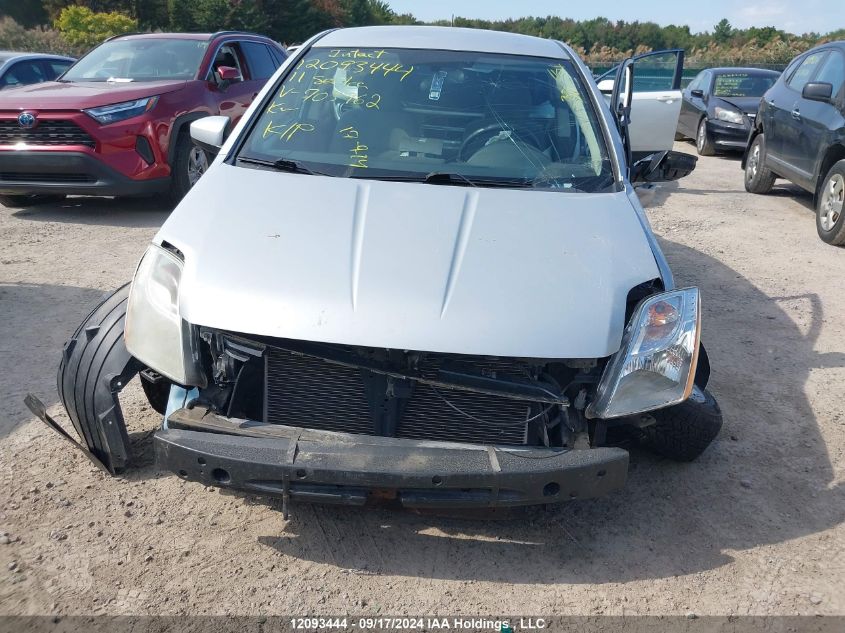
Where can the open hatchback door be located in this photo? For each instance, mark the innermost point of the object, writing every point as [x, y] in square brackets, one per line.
[645, 94]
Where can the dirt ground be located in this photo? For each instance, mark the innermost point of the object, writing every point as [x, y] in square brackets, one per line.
[755, 526]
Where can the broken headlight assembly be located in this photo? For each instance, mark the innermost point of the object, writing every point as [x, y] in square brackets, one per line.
[655, 364]
[155, 333]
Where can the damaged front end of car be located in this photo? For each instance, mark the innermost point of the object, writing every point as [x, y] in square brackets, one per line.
[354, 425]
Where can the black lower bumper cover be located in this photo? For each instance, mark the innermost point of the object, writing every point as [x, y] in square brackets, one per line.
[47, 172]
[326, 467]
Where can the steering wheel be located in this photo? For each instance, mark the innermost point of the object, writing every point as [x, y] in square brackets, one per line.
[474, 142]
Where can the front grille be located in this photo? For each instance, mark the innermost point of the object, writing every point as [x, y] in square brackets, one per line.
[310, 392]
[47, 132]
[9, 176]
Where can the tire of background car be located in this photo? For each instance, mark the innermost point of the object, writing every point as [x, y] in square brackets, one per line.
[703, 143]
[683, 431]
[758, 177]
[186, 160]
[830, 206]
[30, 200]
[95, 367]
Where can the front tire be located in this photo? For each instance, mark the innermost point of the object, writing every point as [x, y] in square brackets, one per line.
[758, 177]
[830, 208]
[683, 431]
[30, 200]
[703, 142]
[189, 163]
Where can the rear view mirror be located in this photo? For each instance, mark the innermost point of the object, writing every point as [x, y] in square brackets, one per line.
[663, 167]
[817, 91]
[605, 86]
[697, 93]
[227, 75]
[210, 133]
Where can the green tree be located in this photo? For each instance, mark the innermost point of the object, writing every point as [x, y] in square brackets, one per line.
[82, 26]
[723, 31]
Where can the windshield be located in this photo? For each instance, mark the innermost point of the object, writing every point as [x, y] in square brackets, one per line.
[406, 114]
[742, 85]
[147, 59]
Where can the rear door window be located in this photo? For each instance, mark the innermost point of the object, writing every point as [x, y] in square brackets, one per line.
[55, 68]
[259, 60]
[656, 72]
[806, 70]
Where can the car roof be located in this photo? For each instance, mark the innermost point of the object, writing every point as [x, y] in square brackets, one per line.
[183, 36]
[442, 38]
[163, 36]
[840, 44]
[6, 56]
[729, 70]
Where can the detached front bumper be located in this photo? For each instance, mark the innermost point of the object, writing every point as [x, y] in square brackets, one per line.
[328, 467]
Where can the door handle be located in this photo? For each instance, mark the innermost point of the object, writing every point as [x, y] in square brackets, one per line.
[666, 98]
[796, 113]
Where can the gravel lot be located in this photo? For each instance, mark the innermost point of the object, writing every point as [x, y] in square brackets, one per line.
[752, 527]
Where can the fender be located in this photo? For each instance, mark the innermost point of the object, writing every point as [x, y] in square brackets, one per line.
[181, 121]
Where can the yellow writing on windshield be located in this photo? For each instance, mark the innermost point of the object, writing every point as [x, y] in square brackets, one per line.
[356, 53]
[358, 152]
[286, 131]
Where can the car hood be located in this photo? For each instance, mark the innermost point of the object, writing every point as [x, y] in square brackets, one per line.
[748, 105]
[409, 266]
[76, 95]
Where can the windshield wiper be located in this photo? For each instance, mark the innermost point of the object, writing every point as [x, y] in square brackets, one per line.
[282, 164]
[446, 178]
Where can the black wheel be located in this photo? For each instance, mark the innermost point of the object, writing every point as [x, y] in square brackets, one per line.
[703, 143]
[830, 206]
[189, 163]
[758, 177]
[95, 366]
[30, 200]
[683, 432]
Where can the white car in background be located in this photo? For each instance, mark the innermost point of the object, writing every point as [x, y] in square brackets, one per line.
[417, 273]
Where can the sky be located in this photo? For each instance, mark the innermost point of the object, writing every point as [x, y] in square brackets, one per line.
[790, 15]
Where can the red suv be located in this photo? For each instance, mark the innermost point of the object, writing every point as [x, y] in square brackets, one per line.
[117, 122]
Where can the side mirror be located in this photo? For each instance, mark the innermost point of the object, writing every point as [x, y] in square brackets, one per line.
[697, 93]
[818, 91]
[663, 167]
[227, 75]
[605, 86]
[210, 133]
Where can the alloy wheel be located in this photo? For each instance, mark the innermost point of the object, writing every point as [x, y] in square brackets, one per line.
[753, 162]
[197, 164]
[833, 199]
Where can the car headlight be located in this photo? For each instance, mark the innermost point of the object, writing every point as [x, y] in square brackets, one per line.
[154, 331]
[120, 111]
[655, 365]
[726, 114]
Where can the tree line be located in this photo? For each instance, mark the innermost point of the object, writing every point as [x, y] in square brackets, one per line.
[82, 23]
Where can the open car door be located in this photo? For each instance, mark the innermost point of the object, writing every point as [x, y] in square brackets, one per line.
[654, 101]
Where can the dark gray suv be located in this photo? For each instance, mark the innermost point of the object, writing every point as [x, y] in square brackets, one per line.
[799, 135]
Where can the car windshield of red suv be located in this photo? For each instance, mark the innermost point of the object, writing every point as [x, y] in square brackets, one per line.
[147, 59]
